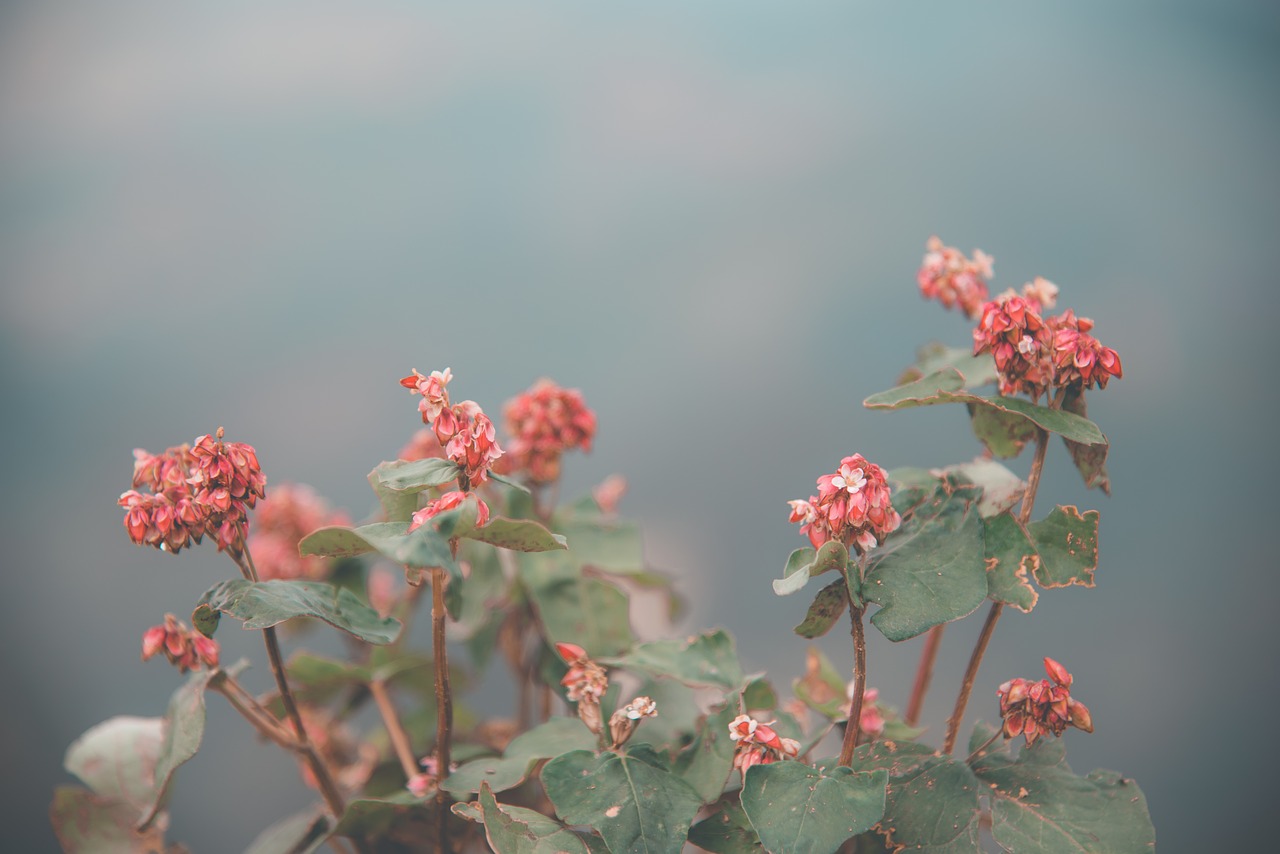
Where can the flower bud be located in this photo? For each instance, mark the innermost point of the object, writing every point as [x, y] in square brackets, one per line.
[1057, 672]
[589, 713]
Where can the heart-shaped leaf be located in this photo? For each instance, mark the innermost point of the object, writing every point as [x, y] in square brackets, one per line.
[797, 809]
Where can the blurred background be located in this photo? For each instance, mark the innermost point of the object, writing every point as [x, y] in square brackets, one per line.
[707, 216]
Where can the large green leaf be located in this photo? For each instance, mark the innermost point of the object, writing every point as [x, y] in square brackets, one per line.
[805, 563]
[1010, 557]
[298, 834]
[827, 607]
[932, 569]
[516, 830]
[1067, 544]
[377, 818]
[706, 659]
[89, 823]
[572, 608]
[931, 803]
[518, 535]
[1039, 805]
[260, 604]
[396, 506]
[637, 807]
[552, 738]
[727, 831]
[945, 386]
[417, 475]
[797, 809]
[422, 548]
[705, 764]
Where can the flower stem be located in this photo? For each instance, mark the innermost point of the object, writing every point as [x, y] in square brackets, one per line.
[444, 701]
[983, 749]
[851, 730]
[264, 724]
[924, 673]
[391, 720]
[993, 615]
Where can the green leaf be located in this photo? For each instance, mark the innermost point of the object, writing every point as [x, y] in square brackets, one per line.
[396, 506]
[932, 569]
[117, 760]
[805, 563]
[260, 604]
[556, 736]
[518, 535]
[945, 386]
[797, 809]
[609, 545]
[416, 475]
[976, 370]
[827, 607]
[705, 764]
[1001, 488]
[727, 831]
[1005, 434]
[678, 712]
[375, 818]
[515, 830]
[1039, 804]
[506, 481]
[759, 695]
[931, 803]
[707, 659]
[1010, 556]
[1090, 460]
[298, 834]
[1067, 544]
[638, 808]
[88, 823]
[822, 688]
[572, 608]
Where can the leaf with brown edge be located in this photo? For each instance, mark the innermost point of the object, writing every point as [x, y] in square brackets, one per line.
[1010, 557]
[1067, 543]
[1090, 460]
[827, 607]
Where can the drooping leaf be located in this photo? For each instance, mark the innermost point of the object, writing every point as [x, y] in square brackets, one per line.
[1010, 557]
[590, 612]
[797, 809]
[827, 607]
[552, 738]
[945, 386]
[805, 563]
[302, 833]
[1067, 544]
[706, 659]
[637, 807]
[705, 764]
[1039, 804]
[518, 535]
[931, 803]
[727, 831]
[89, 823]
[1090, 460]
[822, 688]
[932, 569]
[259, 604]
[1005, 434]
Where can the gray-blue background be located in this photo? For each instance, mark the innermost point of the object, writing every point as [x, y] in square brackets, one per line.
[707, 216]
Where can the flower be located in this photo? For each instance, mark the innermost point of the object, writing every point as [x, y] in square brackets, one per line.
[462, 429]
[852, 506]
[953, 280]
[186, 649]
[449, 501]
[609, 492]
[623, 722]
[544, 422]
[585, 679]
[435, 397]
[1012, 330]
[1033, 709]
[758, 744]
[871, 719]
[1078, 358]
[281, 522]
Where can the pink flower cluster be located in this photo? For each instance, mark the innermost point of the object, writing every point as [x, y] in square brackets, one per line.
[585, 684]
[871, 720]
[1041, 708]
[852, 506]
[292, 512]
[462, 429]
[448, 501]
[195, 490]
[952, 279]
[623, 722]
[187, 649]
[1033, 354]
[758, 744]
[545, 422]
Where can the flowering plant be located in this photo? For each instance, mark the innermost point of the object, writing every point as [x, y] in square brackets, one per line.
[617, 743]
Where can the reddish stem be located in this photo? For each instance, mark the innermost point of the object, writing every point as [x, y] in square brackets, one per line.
[851, 730]
[924, 673]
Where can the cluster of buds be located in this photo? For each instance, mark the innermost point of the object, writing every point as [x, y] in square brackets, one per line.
[871, 719]
[758, 744]
[545, 422]
[462, 429]
[623, 722]
[194, 490]
[281, 521]
[449, 501]
[852, 506]
[954, 280]
[1034, 354]
[585, 683]
[185, 648]
[1040, 708]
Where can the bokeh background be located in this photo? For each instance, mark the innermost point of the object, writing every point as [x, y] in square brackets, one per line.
[708, 217]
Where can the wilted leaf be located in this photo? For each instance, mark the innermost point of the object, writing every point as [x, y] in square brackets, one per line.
[515, 830]
[1090, 460]
[1010, 557]
[827, 607]
[1067, 544]
[797, 809]
[260, 604]
[88, 823]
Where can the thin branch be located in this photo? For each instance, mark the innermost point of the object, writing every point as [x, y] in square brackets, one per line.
[265, 726]
[444, 701]
[983, 749]
[390, 719]
[924, 673]
[853, 727]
